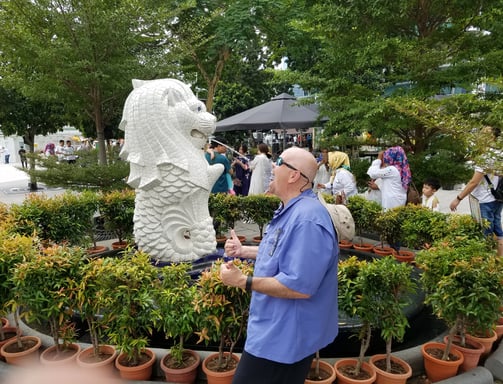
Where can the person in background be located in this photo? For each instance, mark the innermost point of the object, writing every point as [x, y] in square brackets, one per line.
[373, 192]
[261, 171]
[343, 182]
[6, 154]
[218, 149]
[478, 187]
[242, 172]
[293, 310]
[50, 149]
[392, 167]
[22, 157]
[429, 199]
[69, 152]
[323, 173]
[60, 150]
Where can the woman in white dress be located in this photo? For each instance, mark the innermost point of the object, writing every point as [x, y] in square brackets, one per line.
[261, 168]
[392, 167]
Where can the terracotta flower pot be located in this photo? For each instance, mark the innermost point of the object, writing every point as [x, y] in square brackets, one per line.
[187, 375]
[9, 333]
[97, 250]
[470, 353]
[499, 331]
[343, 379]
[214, 377]
[365, 247]
[28, 355]
[5, 322]
[257, 239]
[325, 367]
[50, 356]
[345, 244]
[405, 256]
[241, 238]
[103, 363]
[140, 372]
[383, 250]
[487, 342]
[383, 377]
[436, 368]
[119, 244]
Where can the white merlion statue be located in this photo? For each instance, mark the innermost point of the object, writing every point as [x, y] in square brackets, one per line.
[166, 128]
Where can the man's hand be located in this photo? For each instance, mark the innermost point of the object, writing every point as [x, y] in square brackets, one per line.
[233, 246]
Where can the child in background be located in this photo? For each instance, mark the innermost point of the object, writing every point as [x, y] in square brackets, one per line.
[429, 200]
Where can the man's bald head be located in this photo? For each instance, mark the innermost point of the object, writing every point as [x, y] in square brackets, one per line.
[303, 160]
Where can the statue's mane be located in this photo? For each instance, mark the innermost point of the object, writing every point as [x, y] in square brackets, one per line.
[158, 117]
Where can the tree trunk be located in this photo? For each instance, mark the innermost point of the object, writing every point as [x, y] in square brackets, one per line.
[30, 140]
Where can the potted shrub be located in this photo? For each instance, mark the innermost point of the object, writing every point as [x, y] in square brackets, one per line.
[260, 209]
[117, 209]
[14, 249]
[46, 286]
[222, 316]
[462, 279]
[218, 207]
[389, 284]
[389, 227]
[129, 285]
[90, 306]
[60, 219]
[354, 302]
[177, 320]
[364, 214]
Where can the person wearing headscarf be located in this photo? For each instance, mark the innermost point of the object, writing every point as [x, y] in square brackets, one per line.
[392, 167]
[342, 181]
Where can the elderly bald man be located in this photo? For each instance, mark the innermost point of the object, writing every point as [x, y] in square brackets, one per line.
[293, 311]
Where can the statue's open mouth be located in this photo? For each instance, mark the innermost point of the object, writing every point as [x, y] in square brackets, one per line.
[198, 134]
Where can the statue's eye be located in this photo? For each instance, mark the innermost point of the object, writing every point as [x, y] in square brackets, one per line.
[199, 109]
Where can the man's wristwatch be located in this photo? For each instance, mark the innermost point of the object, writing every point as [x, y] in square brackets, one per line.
[459, 198]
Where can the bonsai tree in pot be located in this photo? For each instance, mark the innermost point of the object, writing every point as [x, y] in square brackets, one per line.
[90, 304]
[389, 284]
[222, 312]
[46, 287]
[462, 279]
[14, 249]
[260, 209]
[355, 303]
[365, 213]
[117, 209]
[177, 319]
[130, 283]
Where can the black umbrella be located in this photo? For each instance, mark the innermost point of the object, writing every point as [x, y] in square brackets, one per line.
[279, 113]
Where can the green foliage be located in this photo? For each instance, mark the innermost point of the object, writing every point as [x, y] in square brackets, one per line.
[175, 300]
[353, 302]
[86, 173]
[45, 286]
[387, 284]
[260, 209]
[117, 208]
[222, 310]
[14, 249]
[462, 281]
[65, 218]
[129, 286]
[359, 169]
[90, 299]
[444, 165]
[364, 212]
